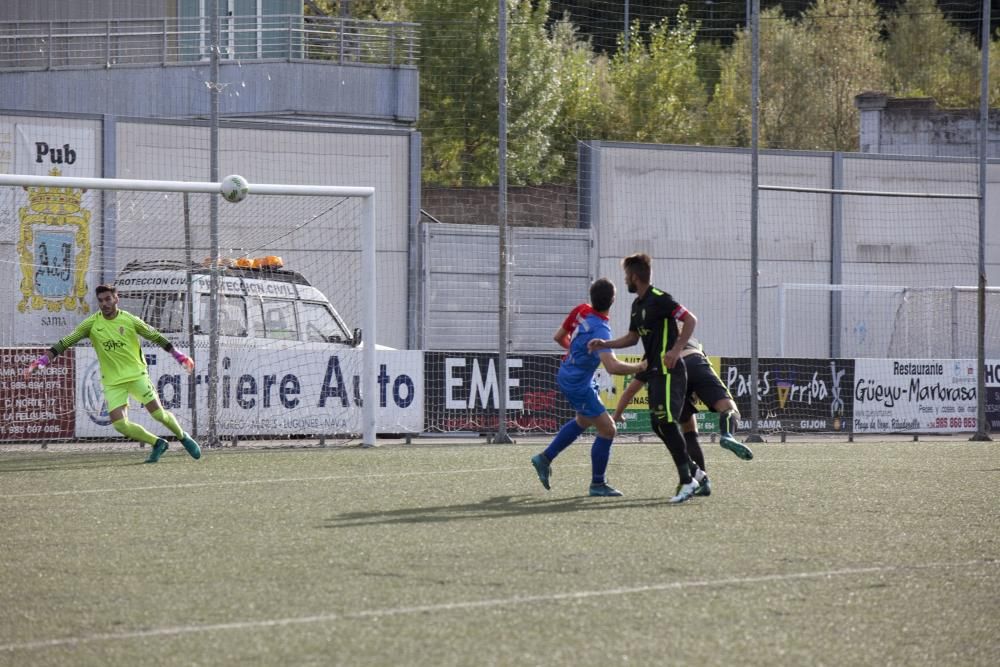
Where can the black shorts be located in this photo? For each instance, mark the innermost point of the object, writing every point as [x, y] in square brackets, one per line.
[667, 394]
[702, 382]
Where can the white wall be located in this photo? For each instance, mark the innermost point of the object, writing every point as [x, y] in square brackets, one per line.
[689, 208]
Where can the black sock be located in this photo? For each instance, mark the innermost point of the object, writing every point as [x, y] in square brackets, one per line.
[671, 436]
[694, 449]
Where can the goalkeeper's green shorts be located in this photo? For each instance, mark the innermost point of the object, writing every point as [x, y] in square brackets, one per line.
[141, 389]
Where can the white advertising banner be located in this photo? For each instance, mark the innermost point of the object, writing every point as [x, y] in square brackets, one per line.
[268, 393]
[914, 395]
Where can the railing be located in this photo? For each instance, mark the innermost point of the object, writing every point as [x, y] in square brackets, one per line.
[44, 45]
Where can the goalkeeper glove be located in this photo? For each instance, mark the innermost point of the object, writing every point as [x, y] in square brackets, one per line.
[183, 360]
[40, 362]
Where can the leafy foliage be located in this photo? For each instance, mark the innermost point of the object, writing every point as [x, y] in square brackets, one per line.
[676, 82]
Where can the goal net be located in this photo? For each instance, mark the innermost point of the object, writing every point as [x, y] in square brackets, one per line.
[280, 322]
[885, 321]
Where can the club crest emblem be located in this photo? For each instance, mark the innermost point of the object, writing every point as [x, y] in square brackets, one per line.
[53, 247]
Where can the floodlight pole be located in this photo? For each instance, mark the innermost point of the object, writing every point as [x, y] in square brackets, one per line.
[502, 334]
[753, 7]
[982, 427]
[213, 232]
[625, 31]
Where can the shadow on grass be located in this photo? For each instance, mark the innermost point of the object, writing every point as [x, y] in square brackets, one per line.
[43, 464]
[497, 507]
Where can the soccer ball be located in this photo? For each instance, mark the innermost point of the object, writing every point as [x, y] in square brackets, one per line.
[234, 188]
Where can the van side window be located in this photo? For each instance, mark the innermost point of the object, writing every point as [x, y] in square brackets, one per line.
[255, 316]
[164, 311]
[320, 324]
[279, 319]
[232, 315]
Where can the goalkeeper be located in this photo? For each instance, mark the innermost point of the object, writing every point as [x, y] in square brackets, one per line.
[115, 336]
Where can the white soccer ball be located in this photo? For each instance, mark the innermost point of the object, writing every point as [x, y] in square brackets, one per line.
[234, 188]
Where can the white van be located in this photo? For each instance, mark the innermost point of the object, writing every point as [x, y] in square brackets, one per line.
[261, 303]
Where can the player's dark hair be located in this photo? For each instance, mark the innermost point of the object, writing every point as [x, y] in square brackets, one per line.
[639, 264]
[101, 289]
[602, 294]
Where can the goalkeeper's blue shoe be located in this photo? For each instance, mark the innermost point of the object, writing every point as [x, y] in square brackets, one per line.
[191, 446]
[604, 490]
[543, 467]
[158, 449]
[735, 446]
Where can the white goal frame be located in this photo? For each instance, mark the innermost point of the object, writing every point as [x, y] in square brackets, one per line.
[368, 291]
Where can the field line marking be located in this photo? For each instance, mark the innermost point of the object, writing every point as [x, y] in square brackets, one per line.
[330, 478]
[482, 604]
[274, 480]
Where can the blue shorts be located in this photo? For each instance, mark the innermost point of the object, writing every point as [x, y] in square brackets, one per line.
[585, 400]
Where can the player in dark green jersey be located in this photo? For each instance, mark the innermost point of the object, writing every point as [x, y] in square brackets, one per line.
[664, 326]
[115, 336]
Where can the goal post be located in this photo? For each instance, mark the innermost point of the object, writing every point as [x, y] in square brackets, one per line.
[287, 225]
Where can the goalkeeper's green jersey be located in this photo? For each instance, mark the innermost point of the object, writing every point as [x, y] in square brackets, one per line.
[116, 342]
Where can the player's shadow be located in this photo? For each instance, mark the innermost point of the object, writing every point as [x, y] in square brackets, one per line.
[497, 507]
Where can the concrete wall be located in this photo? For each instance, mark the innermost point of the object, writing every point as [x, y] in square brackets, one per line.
[260, 88]
[916, 126]
[529, 206]
[61, 10]
[53, 10]
[689, 208]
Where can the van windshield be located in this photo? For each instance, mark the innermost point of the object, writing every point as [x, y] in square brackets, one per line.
[322, 324]
[164, 311]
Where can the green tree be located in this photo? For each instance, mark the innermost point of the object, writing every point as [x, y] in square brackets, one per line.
[373, 10]
[928, 56]
[586, 95]
[660, 96]
[534, 95]
[785, 86]
[847, 58]
[994, 86]
[458, 91]
[810, 71]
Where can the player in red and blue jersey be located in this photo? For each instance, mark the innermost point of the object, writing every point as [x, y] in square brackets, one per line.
[576, 380]
[564, 334]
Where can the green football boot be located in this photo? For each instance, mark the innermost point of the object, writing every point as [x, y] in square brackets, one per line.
[543, 467]
[158, 449]
[191, 446]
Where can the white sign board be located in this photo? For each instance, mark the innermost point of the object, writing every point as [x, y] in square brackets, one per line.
[269, 393]
[914, 395]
